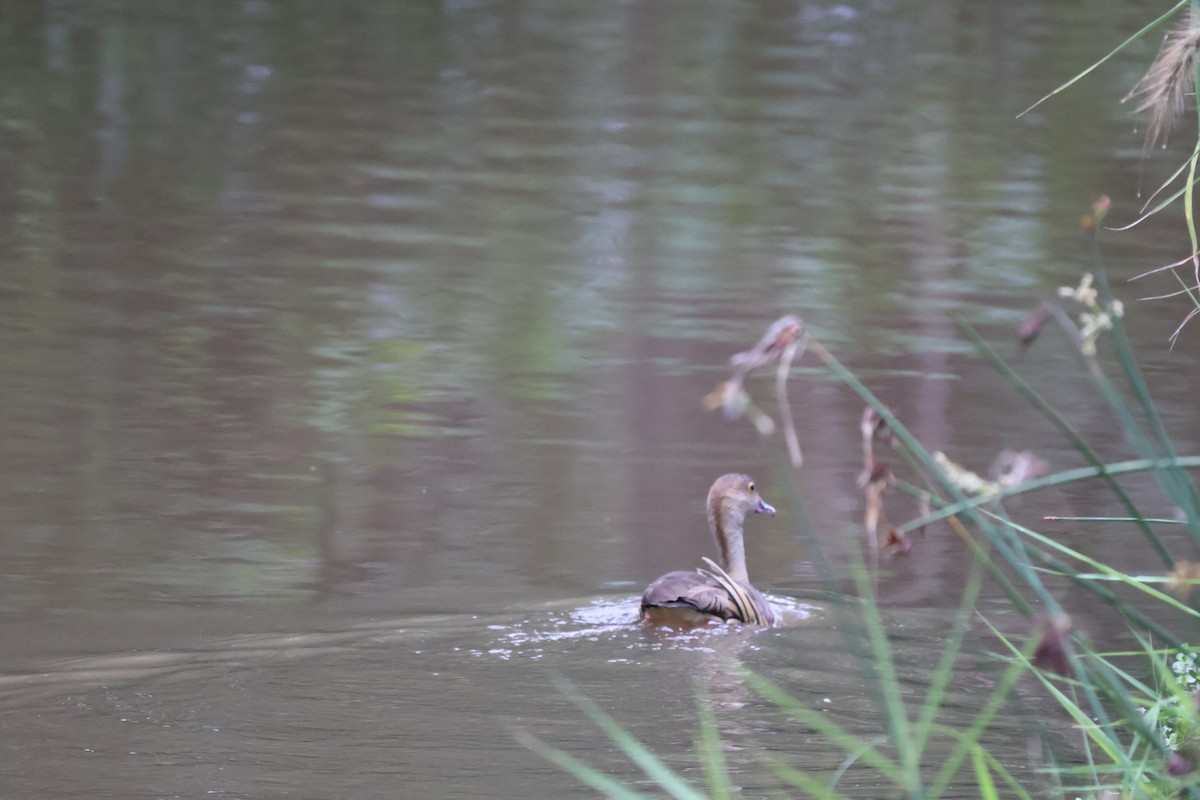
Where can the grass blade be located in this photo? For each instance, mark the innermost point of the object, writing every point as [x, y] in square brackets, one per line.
[940, 679]
[983, 776]
[1072, 435]
[712, 756]
[1160, 20]
[1104, 569]
[638, 753]
[589, 775]
[824, 726]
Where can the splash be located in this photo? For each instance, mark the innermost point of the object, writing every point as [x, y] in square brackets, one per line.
[613, 627]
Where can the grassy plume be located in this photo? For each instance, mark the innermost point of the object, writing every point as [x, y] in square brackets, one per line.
[1163, 90]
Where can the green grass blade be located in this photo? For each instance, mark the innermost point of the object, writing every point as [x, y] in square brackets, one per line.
[808, 784]
[1098, 576]
[1073, 436]
[1119, 695]
[942, 674]
[584, 772]
[1080, 76]
[1177, 484]
[1009, 780]
[709, 749]
[1104, 569]
[888, 684]
[854, 757]
[970, 738]
[1161, 204]
[1094, 732]
[983, 776]
[826, 727]
[998, 539]
[1052, 564]
[1152, 520]
[638, 753]
[1057, 479]
[847, 618]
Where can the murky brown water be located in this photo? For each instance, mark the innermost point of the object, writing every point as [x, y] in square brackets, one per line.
[353, 356]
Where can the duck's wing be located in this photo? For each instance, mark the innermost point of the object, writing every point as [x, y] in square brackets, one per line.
[753, 606]
[741, 599]
[700, 592]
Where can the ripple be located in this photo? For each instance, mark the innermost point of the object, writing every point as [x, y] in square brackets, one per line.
[608, 620]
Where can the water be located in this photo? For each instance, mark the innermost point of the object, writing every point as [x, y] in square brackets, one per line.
[354, 356]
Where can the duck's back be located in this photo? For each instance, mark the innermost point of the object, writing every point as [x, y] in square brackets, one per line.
[690, 598]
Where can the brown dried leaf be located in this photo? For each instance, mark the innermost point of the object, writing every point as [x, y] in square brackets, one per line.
[873, 512]
[783, 332]
[924, 509]
[1032, 325]
[1053, 651]
[1183, 578]
[1178, 764]
[877, 478]
[898, 542]
[1013, 467]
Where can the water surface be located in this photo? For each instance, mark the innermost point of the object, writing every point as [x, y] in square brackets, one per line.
[353, 360]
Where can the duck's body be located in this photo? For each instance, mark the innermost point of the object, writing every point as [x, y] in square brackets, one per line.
[723, 593]
[688, 599]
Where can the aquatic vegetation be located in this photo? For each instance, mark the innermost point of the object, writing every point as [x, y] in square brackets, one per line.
[1177, 718]
[1163, 93]
[782, 343]
[1129, 725]
[1128, 735]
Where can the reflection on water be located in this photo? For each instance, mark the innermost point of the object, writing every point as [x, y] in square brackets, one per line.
[388, 318]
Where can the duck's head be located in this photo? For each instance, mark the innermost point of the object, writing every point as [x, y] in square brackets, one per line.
[733, 496]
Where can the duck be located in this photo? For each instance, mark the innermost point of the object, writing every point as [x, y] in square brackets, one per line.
[721, 593]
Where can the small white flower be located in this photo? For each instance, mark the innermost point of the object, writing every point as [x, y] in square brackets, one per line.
[1083, 293]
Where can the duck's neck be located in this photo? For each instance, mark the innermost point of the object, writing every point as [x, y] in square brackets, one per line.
[727, 530]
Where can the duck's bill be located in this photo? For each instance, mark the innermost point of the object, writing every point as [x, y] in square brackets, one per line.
[765, 508]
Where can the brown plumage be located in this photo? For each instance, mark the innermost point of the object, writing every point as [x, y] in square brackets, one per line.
[723, 592]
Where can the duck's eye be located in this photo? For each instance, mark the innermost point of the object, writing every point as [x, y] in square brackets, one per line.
[750, 488]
